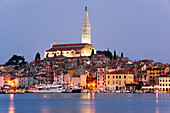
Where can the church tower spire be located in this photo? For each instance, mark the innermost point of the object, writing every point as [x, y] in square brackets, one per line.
[86, 29]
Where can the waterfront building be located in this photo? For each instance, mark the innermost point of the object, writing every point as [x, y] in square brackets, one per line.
[76, 80]
[154, 72]
[62, 77]
[1, 81]
[83, 81]
[164, 83]
[141, 78]
[118, 79]
[84, 48]
[101, 77]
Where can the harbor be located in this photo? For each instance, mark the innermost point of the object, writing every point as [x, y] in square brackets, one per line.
[84, 103]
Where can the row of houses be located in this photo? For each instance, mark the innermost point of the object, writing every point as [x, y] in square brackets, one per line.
[98, 73]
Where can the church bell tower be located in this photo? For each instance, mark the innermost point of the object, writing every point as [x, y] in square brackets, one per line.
[86, 29]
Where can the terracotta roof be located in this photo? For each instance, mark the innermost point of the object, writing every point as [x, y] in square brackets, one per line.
[74, 44]
[119, 72]
[64, 49]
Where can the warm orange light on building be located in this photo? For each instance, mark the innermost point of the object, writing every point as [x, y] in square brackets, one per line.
[88, 85]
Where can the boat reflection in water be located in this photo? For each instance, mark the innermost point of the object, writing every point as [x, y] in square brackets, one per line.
[87, 105]
[11, 108]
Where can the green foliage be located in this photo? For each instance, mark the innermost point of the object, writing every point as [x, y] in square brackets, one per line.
[55, 55]
[115, 56]
[16, 60]
[121, 54]
[61, 53]
[106, 53]
[37, 57]
[92, 53]
[47, 55]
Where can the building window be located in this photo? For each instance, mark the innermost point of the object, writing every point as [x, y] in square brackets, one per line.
[124, 77]
[116, 76]
[125, 82]
[150, 76]
[108, 82]
[108, 77]
[119, 76]
[98, 83]
[98, 79]
[166, 85]
[116, 82]
[113, 82]
[160, 84]
[163, 84]
[120, 82]
[160, 80]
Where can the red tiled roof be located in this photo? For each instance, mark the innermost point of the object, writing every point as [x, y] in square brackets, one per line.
[74, 44]
[64, 49]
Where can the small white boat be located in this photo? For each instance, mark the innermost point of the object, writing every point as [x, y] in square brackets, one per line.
[73, 89]
[14, 92]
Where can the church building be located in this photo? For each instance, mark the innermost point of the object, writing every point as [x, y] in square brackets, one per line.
[74, 49]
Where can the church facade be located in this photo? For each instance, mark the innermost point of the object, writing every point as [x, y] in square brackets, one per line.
[74, 49]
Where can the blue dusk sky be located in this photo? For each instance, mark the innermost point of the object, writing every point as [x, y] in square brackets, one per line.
[138, 28]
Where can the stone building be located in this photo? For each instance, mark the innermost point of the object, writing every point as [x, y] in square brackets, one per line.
[74, 49]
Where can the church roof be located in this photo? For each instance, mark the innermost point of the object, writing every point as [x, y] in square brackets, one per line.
[67, 47]
[73, 44]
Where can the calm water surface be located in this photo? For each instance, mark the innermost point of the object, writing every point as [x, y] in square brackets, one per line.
[84, 103]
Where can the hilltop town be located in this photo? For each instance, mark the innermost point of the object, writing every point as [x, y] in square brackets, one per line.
[79, 64]
[97, 72]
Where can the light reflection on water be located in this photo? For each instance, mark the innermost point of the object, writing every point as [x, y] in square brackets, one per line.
[88, 102]
[87, 106]
[11, 108]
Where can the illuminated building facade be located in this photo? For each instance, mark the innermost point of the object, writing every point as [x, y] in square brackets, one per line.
[74, 50]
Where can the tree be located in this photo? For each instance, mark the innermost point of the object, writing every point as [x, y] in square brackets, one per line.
[115, 57]
[16, 60]
[106, 53]
[92, 53]
[55, 55]
[61, 53]
[121, 54]
[37, 57]
[47, 55]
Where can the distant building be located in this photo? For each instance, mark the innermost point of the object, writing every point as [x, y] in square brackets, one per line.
[1, 81]
[154, 72]
[74, 50]
[118, 79]
[164, 83]
[101, 77]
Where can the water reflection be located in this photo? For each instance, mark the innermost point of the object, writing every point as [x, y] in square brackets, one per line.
[157, 104]
[11, 108]
[157, 97]
[87, 105]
